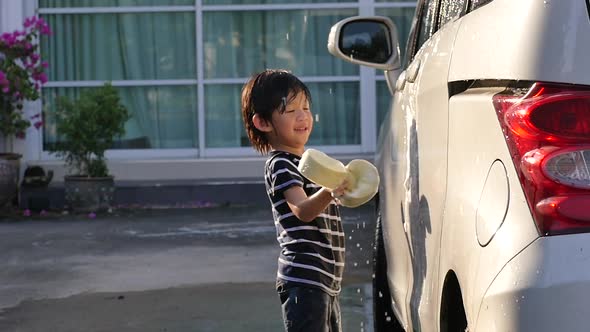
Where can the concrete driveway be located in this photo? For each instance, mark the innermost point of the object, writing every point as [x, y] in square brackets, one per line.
[208, 269]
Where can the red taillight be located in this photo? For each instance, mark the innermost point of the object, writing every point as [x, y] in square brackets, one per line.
[548, 135]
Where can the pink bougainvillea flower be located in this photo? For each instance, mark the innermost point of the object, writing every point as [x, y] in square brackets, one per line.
[42, 78]
[29, 22]
[22, 74]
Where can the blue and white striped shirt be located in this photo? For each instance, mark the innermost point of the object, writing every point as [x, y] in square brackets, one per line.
[312, 253]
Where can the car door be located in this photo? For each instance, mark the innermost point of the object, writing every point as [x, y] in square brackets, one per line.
[426, 175]
[391, 151]
[400, 183]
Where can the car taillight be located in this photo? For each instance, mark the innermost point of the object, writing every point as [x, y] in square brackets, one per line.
[548, 135]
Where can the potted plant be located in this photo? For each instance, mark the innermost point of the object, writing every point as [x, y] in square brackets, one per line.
[21, 76]
[87, 127]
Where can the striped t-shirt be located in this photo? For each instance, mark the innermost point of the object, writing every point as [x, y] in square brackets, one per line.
[312, 253]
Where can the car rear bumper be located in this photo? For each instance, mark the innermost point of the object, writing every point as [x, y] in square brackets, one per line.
[546, 287]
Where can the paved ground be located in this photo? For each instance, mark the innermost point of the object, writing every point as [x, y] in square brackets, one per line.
[207, 269]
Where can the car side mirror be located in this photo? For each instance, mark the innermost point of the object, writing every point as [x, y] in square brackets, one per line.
[371, 41]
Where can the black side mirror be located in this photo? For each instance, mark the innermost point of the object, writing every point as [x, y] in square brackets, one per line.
[366, 41]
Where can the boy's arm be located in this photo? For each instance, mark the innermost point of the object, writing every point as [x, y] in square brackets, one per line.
[307, 208]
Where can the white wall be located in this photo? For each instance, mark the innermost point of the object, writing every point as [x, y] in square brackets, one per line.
[13, 13]
[12, 17]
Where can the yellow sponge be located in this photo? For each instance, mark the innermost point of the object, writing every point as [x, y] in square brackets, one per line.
[363, 178]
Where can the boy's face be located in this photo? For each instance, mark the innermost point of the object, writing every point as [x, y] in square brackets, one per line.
[291, 129]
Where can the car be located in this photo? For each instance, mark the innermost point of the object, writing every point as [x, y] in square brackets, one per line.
[484, 158]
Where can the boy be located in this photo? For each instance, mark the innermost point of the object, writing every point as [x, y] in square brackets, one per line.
[277, 116]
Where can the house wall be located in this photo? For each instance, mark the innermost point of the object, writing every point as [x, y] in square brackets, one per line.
[202, 162]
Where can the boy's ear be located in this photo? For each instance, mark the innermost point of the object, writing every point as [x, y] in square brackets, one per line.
[261, 124]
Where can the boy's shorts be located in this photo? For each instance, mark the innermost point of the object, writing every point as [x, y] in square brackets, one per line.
[308, 309]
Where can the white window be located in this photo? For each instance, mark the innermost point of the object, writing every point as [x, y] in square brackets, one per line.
[180, 65]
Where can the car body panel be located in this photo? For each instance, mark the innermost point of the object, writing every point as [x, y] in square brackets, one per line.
[426, 172]
[475, 143]
[543, 289]
[390, 162]
[529, 40]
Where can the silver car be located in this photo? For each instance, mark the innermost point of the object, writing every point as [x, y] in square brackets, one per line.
[484, 157]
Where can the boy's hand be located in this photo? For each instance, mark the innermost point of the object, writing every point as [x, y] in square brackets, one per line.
[340, 190]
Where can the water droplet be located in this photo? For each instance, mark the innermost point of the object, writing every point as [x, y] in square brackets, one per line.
[368, 262]
[287, 36]
[388, 319]
[358, 290]
[358, 245]
[380, 294]
[373, 276]
[355, 264]
[350, 237]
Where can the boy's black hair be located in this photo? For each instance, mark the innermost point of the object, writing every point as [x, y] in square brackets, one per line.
[264, 93]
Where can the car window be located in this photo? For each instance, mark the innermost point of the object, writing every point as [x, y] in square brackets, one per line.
[450, 10]
[421, 30]
[477, 3]
[427, 22]
[411, 43]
